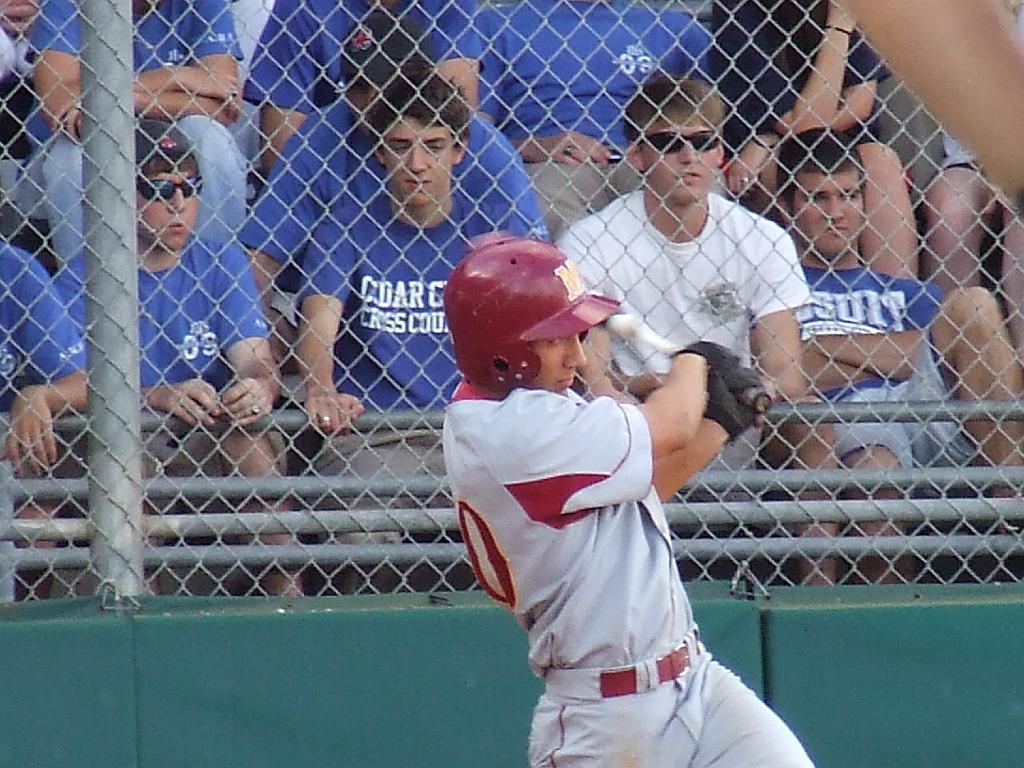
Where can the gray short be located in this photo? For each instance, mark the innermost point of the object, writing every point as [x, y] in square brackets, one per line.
[286, 305]
[931, 443]
[384, 455]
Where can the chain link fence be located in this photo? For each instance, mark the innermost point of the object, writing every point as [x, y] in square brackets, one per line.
[304, 233]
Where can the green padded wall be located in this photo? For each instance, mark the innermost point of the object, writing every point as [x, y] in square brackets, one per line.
[377, 681]
[349, 682]
[906, 677]
[914, 677]
[731, 629]
[67, 689]
[382, 681]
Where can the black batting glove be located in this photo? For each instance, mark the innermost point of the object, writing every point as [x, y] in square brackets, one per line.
[725, 410]
[736, 397]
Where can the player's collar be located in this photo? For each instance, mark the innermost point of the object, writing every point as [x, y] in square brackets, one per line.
[466, 391]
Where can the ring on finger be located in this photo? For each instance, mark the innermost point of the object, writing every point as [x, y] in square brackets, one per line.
[256, 409]
[325, 419]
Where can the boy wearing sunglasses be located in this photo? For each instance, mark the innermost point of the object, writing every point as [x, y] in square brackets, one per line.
[185, 57]
[205, 355]
[694, 265]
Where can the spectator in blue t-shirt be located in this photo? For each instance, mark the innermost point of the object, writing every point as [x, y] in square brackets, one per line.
[377, 270]
[333, 154]
[205, 356]
[42, 358]
[556, 78]
[872, 338]
[373, 324]
[302, 60]
[41, 377]
[185, 58]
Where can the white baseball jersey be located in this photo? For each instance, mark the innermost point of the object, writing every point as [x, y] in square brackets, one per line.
[563, 525]
[741, 267]
[564, 528]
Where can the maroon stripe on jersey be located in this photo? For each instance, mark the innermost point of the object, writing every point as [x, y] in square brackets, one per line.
[544, 499]
[475, 531]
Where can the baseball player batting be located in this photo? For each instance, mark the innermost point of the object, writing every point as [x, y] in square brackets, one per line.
[559, 500]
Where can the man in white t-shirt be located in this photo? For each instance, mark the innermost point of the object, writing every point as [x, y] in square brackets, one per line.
[694, 265]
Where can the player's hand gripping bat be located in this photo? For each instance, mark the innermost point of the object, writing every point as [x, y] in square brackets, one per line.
[633, 329]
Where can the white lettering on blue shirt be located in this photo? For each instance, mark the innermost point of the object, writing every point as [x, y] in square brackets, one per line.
[8, 361]
[200, 340]
[636, 59]
[853, 312]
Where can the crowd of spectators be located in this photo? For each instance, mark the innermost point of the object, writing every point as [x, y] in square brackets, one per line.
[309, 172]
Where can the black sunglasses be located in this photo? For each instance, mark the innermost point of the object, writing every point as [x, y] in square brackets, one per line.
[165, 189]
[668, 142]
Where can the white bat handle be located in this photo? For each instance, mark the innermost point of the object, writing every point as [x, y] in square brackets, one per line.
[632, 328]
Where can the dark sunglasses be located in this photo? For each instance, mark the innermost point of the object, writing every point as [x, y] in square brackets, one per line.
[668, 142]
[165, 189]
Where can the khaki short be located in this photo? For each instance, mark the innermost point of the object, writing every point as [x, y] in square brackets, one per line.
[385, 454]
[198, 452]
[195, 453]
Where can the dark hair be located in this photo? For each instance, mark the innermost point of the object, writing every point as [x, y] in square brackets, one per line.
[662, 97]
[816, 151]
[434, 101]
[188, 165]
[416, 68]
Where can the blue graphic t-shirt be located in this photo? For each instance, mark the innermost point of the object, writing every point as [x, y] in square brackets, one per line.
[558, 65]
[39, 343]
[859, 301]
[189, 315]
[393, 349]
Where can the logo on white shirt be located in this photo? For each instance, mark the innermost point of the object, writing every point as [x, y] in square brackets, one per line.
[721, 300]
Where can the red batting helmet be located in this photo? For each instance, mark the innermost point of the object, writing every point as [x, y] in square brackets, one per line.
[507, 292]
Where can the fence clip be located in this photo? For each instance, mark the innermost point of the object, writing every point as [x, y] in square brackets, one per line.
[112, 600]
[745, 585]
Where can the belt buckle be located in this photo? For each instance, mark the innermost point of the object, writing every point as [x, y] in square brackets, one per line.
[626, 681]
[673, 664]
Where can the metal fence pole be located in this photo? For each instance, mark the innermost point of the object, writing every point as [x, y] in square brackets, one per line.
[7, 569]
[115, 464]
